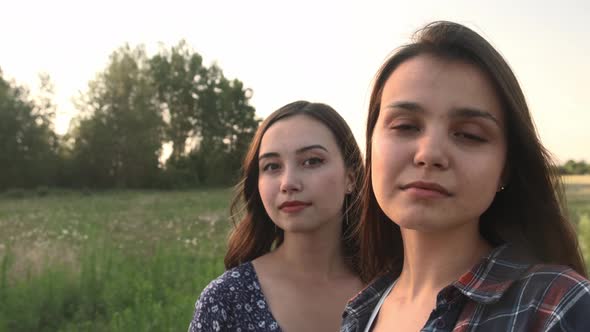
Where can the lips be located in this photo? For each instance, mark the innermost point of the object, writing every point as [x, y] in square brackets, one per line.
[427, 186]
[291, 207]
[293, 204]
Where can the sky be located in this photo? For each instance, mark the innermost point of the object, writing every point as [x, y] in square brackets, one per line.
[322, 51]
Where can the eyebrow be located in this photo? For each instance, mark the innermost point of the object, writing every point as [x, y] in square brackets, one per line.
[461, 112]
[298, 151]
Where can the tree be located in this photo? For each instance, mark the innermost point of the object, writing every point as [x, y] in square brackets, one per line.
[118, 137]
[228, 125]
[179, 77]
[208, 117]
[28, 145]
[575, 168]
[138, 103]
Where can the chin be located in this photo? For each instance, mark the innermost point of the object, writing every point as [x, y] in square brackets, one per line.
[422, 222]
[299, 228]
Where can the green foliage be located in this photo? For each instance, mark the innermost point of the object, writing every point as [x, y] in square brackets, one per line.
[179, 77]
[206, 111]
[572, 167]
[584, 236]
[118, 140]
[138, 103]
[132, 108]
[28, 145]
[111, 292]
[138, 259]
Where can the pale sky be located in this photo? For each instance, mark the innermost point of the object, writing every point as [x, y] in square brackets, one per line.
[324, 51]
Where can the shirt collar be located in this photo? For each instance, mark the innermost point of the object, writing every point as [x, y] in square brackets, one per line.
[487, 281]
[365, 301]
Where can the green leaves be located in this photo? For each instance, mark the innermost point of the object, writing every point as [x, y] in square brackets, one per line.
[28, 145]
[117, 142]
[135, 106]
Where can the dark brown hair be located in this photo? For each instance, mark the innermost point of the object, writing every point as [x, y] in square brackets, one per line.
[528, 213]
[254, 233]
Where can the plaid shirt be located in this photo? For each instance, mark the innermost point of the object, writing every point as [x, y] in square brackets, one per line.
[501, 293]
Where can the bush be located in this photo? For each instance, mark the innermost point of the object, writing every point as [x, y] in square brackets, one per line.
[42, 191]
[15, 193]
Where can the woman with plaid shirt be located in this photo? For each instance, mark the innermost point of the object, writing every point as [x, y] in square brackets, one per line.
[463, 226]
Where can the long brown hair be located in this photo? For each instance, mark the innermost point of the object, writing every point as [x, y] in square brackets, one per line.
[254, 233]
[529, 212]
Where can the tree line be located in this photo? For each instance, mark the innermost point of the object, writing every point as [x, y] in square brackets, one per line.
[572, 167]
[131, 109]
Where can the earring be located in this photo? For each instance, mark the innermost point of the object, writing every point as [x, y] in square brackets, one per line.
[501, 188]
[346, 210]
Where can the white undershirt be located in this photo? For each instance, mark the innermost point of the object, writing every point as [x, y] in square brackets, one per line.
[378, 307]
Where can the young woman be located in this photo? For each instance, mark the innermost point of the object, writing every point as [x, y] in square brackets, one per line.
[463, 227]
[291, 262]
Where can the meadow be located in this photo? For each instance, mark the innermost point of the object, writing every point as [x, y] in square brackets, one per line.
[109, 261]
[128, 260]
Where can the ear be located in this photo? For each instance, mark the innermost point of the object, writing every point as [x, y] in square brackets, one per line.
[350, 181]
[504, 177]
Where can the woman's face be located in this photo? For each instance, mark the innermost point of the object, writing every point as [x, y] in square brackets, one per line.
[438, 148]
[302, 177]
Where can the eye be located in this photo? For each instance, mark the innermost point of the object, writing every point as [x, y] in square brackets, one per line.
[405, 127]
[471, 137]
[270, 167]
[314, 161]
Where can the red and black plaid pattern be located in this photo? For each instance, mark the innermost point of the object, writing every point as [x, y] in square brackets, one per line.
[503, 292]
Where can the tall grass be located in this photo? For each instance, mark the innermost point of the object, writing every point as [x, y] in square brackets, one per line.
[133, 269]
[111, 291]
[127, 260]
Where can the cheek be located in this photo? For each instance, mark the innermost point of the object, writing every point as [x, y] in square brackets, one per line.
[265, 189]
[386, 161]
[331, 179]
[380, 172]
[482, 181]
[487, 171]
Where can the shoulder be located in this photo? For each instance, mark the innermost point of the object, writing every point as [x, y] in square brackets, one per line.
[214, 307]
[234, 281]
[561, 295]
[555, 280]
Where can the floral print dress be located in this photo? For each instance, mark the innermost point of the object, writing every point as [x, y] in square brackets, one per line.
[233, 302]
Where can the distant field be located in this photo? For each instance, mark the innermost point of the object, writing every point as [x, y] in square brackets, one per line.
[578, 195]
[577, 179]
[127, 260]
[578, 201]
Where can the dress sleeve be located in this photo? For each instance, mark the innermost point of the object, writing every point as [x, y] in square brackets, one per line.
[211, 310]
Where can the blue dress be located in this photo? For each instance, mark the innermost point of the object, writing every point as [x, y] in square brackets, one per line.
[233, 302]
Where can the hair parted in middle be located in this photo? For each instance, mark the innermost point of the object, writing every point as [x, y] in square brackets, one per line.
[254, 233]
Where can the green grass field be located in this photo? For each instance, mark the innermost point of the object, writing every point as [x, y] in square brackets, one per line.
[128, 260]
[112, 261]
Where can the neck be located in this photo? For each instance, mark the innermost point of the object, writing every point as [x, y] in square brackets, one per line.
[434, 260]
[316, 255]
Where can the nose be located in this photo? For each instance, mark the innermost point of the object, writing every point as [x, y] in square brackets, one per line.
[290, 181]
[431, 151]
